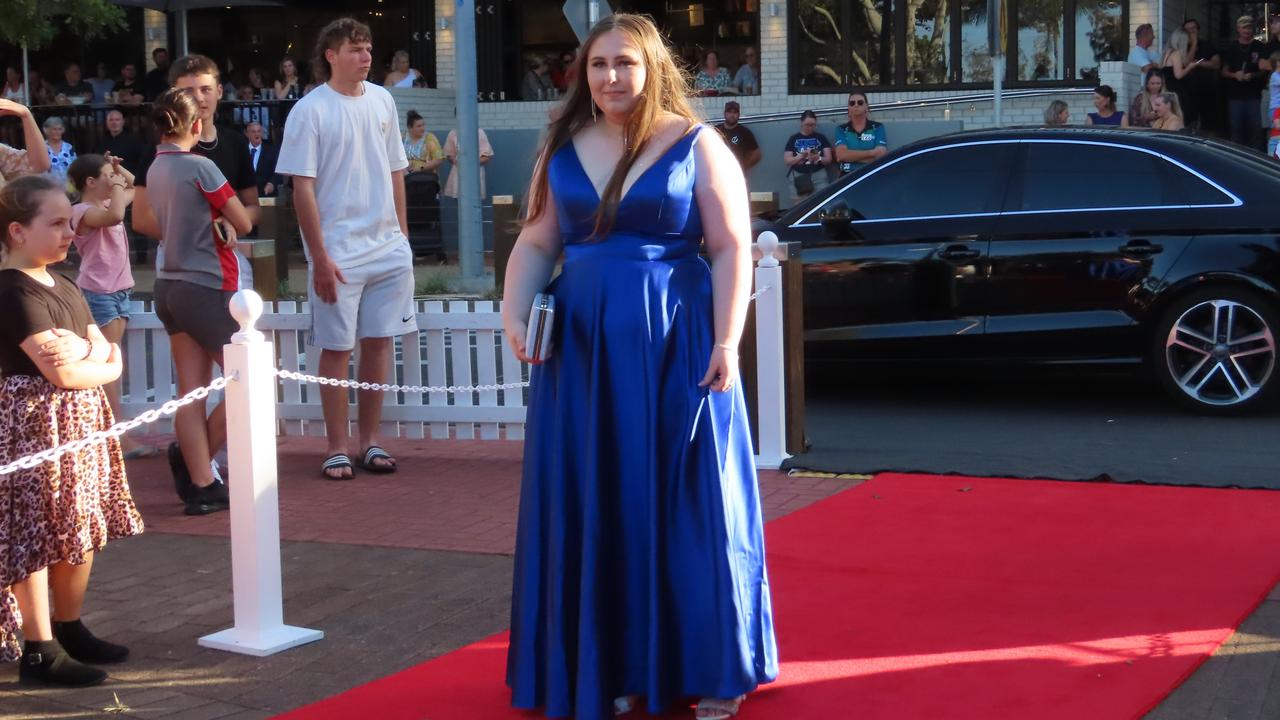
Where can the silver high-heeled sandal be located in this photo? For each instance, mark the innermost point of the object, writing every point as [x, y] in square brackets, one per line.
[718, 709]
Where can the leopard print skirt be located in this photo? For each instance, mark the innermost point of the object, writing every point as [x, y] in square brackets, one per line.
[63, 510]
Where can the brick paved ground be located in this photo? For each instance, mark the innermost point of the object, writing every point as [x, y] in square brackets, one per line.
[396, 570]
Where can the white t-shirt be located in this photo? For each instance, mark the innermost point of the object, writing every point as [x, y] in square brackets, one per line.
[1143, 57]
[350, 145]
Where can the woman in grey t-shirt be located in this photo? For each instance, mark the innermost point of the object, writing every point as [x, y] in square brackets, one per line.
[200, 272]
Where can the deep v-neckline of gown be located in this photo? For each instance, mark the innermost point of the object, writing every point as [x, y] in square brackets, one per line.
[627, 193]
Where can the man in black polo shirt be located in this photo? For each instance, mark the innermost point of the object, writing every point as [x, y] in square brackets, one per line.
[1243, 79]
[741, 140]
[229, 150]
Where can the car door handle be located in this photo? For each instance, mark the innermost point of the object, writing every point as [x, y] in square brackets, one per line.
[956, 253]
[1140, 249]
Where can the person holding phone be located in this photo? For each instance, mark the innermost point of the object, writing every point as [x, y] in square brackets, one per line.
[807, 155]
[1242, 81]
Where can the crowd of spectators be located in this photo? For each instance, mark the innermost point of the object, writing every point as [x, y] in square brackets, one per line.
[1213, 90]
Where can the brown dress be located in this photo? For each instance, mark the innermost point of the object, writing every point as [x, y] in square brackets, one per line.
[58, 511]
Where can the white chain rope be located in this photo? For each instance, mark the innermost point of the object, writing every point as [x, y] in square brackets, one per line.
[384, 387]
[171, 406]
[115, 431]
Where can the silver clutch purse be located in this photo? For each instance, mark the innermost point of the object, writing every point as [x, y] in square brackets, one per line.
[537, 343]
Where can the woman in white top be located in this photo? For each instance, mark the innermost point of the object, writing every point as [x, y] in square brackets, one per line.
[13, 89]
[401, 75]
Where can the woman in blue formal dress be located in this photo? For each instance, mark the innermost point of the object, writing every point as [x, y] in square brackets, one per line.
[640, 569]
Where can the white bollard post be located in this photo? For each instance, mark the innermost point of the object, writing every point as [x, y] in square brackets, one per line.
[770, 374]
[255, 500]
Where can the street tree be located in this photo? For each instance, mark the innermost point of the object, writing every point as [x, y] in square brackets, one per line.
[34, 23]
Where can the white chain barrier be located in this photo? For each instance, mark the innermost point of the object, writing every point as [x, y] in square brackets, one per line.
[384, 387]
[168, 408]
[171, 406]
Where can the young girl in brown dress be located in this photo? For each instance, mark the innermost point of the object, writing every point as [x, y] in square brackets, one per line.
[54, 517]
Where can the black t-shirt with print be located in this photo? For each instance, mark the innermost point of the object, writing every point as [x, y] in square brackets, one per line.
[800, 143]
[741, 141]
[31, 307]
[230, 152]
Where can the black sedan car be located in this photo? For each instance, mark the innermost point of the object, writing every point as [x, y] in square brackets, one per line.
[1054, 245]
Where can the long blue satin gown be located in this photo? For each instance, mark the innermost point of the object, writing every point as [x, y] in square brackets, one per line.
[640, 563]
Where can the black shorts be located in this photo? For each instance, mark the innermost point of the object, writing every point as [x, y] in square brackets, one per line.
[199, 311]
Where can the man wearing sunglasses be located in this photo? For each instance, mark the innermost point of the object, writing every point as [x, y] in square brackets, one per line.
[861, 140]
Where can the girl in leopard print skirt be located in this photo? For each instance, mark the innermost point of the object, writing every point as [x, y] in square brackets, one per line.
[54, 517]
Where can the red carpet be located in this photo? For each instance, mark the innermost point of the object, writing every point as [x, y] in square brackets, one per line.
[940, 597]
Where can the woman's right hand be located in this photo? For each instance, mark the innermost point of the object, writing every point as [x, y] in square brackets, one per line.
[516, 330]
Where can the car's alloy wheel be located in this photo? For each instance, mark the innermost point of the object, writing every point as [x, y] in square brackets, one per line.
[1220, 353]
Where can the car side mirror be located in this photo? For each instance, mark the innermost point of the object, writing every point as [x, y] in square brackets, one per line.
[835, 224]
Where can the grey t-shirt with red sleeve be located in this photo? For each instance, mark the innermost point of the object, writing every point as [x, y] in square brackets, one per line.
[186, 191]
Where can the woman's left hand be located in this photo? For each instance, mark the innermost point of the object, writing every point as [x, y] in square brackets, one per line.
[722, 370]
[65, 349]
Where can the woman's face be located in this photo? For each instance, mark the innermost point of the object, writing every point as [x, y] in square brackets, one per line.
[1155, 84]
[1064, 116]
[288, 68]
[53, 133]
[46, 239]
[615, 74]
[712, 61]
[418, 129]
[400, 63]
[12, 76]
[255, 77]
[1161, 107]
[808, 125]
[1099, 102]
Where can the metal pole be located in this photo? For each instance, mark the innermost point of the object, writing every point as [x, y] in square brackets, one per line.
[182, 33]
[26, 77]
[470, 223]
[997, 72]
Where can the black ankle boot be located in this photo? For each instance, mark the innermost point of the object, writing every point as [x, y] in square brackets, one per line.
[81, 644]
[45, 663]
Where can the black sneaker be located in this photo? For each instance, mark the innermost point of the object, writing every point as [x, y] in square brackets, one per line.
[45, 663]
[209, 499]
[181, 477]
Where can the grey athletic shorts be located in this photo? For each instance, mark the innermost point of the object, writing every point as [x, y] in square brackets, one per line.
[199, 311]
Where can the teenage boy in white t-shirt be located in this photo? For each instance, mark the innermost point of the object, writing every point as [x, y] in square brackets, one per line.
[342, 146]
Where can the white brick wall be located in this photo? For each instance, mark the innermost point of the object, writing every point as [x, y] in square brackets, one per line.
[446, 68]
[435, 106]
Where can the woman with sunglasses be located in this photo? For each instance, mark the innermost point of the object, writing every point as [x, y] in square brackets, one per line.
[862, 140]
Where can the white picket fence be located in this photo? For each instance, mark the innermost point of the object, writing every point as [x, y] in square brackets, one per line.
[458, 343]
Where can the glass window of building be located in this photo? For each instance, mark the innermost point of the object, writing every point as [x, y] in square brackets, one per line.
[1099, 36]
[837, 44]
[928, 42]
[525, 49]
[840, 44]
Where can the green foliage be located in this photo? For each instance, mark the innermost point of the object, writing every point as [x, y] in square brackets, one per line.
[35, 23]
[434, 284]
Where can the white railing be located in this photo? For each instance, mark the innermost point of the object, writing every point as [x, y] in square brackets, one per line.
[458, 343]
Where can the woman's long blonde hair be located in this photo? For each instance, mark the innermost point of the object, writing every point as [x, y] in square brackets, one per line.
[666, 90]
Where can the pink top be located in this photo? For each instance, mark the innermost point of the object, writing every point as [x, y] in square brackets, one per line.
[104, 254]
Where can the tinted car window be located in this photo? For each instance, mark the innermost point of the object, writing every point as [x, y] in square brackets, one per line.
[948, 181]
[1064, 176]
[1193, 190]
